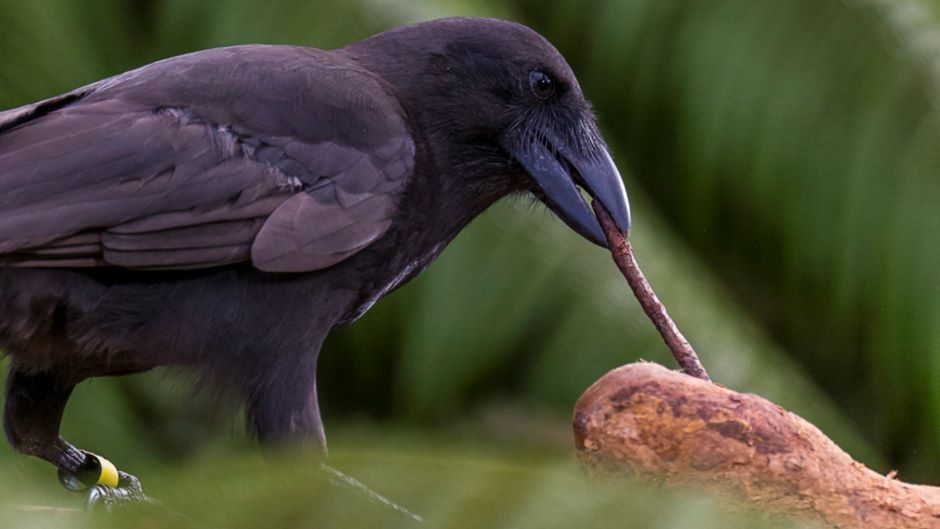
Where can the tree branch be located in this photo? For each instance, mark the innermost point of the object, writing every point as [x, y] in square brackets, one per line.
[643, 420]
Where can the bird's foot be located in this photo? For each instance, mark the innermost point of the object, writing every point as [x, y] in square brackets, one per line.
[127, 492]
[106, 486]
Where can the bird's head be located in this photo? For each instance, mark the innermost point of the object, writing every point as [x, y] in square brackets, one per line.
[507, 106]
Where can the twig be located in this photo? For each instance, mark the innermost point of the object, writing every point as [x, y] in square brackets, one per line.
[48, 509]
[340, 478]
[622, 252]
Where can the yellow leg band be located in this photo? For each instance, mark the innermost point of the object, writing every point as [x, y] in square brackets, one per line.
[109, 473]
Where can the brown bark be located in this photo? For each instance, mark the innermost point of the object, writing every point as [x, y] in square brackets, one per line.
[642, 420]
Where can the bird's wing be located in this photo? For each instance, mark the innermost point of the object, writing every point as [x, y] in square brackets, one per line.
[291, 158]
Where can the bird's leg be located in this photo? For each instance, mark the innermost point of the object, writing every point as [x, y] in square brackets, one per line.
[32, 415]
[285, 412]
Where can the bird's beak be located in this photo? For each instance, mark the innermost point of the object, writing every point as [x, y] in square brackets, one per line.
[559, 171]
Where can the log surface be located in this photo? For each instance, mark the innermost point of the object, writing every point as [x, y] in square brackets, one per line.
[643, 420]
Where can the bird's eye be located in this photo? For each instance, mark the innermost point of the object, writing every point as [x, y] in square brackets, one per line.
[542, 84]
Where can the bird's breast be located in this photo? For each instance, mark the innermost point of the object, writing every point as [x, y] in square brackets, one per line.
[389, 283]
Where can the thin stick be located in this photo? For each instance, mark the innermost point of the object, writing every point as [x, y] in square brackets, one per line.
[341, 478]
[622, 252]
[48, 509]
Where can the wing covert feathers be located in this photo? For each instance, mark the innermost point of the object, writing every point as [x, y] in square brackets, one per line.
[295, 164]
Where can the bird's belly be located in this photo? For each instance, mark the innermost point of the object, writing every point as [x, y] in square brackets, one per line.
[115, 322]
[46, 324]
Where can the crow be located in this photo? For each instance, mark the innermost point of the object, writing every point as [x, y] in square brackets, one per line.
[229, 208]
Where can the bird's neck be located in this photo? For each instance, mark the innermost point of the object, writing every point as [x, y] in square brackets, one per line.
[454, 181]
[438, 205]
[447, 193]
[459, 176]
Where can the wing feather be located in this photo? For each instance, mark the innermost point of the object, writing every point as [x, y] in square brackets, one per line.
[295, 162]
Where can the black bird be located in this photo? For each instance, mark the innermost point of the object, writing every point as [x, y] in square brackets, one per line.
[227, 209]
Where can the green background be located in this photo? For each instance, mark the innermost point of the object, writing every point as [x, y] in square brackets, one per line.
[782, 162]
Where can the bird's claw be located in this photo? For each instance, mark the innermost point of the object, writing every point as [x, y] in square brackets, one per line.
[128, 492]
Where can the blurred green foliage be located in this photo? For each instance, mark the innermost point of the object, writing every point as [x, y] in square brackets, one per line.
[792, 145]
[781, 160]
[453, 482]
